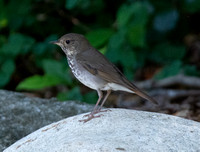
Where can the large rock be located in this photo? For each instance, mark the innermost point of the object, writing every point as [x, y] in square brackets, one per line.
[116, 130]
[20, 115]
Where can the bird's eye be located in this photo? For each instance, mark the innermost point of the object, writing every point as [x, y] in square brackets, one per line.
[67, 41]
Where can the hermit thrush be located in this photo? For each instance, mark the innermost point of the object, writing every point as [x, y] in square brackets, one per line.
[92, 69]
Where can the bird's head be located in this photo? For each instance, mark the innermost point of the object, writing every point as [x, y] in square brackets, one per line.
[72, 43]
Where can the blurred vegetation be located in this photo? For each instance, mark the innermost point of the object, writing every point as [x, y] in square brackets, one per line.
[133, 34]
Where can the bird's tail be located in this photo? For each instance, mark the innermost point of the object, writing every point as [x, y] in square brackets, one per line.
[139, 92]
[136, 90]
[144, 95]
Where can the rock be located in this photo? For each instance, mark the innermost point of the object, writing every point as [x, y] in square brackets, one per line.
[20, 115]
[116, 130]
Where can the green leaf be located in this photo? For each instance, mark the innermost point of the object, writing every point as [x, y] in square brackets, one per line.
[166, 52]
[135, 14]
[134, 17]
[19, 15]
[166, 21]
[128, 60]
[42, 48]
[119, 51]
[99, 37]
[70, 4]
[103, 50]
[90, 97]
[7, 68]
[84, 7]
[115, 45]
[73, 94]
[39, 82]
[141, 13]
[137, 35]
[3, 22]
[17, 44]
[124, 15]
[169, 70]
[57, 69]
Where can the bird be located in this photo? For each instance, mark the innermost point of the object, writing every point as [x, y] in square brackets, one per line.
[95, 71]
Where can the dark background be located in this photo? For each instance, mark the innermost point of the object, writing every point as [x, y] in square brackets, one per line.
[150, 41]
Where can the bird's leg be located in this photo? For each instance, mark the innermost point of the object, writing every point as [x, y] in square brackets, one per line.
[104, 100]
[100, 94]
[95, 109]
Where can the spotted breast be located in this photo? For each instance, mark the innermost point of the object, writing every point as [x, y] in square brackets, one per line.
[84, 76]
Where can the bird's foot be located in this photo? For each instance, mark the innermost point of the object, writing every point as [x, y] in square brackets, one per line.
[92, 113]
[103, 110]
[90, 116]
[97, 111]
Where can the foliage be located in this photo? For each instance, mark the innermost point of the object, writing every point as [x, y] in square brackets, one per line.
[132, 34]
[38, 82]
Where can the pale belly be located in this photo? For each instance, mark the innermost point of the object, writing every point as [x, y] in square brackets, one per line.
[86, 77]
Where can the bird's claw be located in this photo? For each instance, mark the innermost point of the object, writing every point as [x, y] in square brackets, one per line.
[90, 116]
[96, 111]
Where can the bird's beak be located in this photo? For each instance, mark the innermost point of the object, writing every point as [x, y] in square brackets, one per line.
[55, 42]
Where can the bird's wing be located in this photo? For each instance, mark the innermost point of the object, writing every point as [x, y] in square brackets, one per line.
[96, 63]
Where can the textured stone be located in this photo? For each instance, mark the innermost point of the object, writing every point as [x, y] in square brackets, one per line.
[20, 115]
[116, 130]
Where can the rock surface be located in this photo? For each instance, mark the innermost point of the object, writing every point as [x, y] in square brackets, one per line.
[20, 115]
[117, 130]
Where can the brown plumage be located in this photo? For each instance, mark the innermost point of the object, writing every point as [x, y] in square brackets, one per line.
[94, 70]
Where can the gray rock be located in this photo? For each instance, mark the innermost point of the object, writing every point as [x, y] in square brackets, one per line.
[20, 115]
[117, 130]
